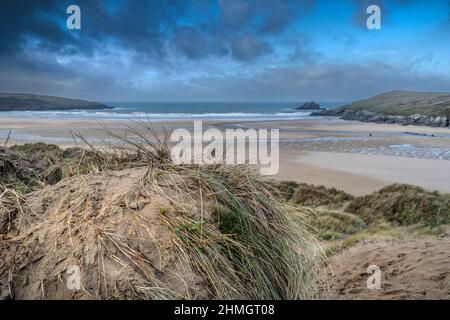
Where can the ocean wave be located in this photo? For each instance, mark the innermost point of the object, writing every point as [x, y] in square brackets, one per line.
[111, 115]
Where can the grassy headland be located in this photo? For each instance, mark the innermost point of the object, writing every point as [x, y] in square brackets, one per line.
[404, 107]
[34, 102]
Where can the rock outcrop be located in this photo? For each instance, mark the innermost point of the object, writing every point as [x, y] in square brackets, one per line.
[370, 116]
[401, 107]
[309, 106]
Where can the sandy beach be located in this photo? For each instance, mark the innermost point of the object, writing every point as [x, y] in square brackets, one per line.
[360, 174]
[352, 156]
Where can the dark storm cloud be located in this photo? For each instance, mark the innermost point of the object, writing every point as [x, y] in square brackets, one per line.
[29, 29]
[19, 20]
[147, 27]
[240, 29]
[195, 45]
[151, 35]
[142, 26]
[261, 16]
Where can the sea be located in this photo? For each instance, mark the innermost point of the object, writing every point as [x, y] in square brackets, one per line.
[167, 111]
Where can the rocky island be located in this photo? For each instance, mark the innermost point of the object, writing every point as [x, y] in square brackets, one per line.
[309, 106]
[400, 107]
[34, 102]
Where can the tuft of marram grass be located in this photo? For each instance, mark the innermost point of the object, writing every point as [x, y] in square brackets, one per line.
[254, 247]
[249, 245]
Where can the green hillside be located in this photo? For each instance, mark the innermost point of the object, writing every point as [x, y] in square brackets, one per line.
[34, 102]
[404, 103]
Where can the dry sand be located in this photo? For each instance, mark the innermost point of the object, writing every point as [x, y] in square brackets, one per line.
[293, 168]
[108, 226]
[360, 174]
[413, 269]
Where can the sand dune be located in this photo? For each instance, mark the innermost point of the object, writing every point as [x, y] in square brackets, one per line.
[413, 269]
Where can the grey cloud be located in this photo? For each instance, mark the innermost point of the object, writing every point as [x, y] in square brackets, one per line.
[262, 16]
[194, 45]
[248, 47]
[309, 82]
[342, 82]
[235, 13]
[301, 52]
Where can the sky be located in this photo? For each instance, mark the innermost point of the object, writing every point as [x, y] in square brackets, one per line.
[223, 50]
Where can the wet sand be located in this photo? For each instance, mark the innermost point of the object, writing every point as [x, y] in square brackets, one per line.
[361, 174]
[353, 156]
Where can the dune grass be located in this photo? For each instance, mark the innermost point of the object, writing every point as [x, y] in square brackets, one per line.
[403, 205]
[397, 211]
[228, 227]
[245, 242]
[333, 225]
